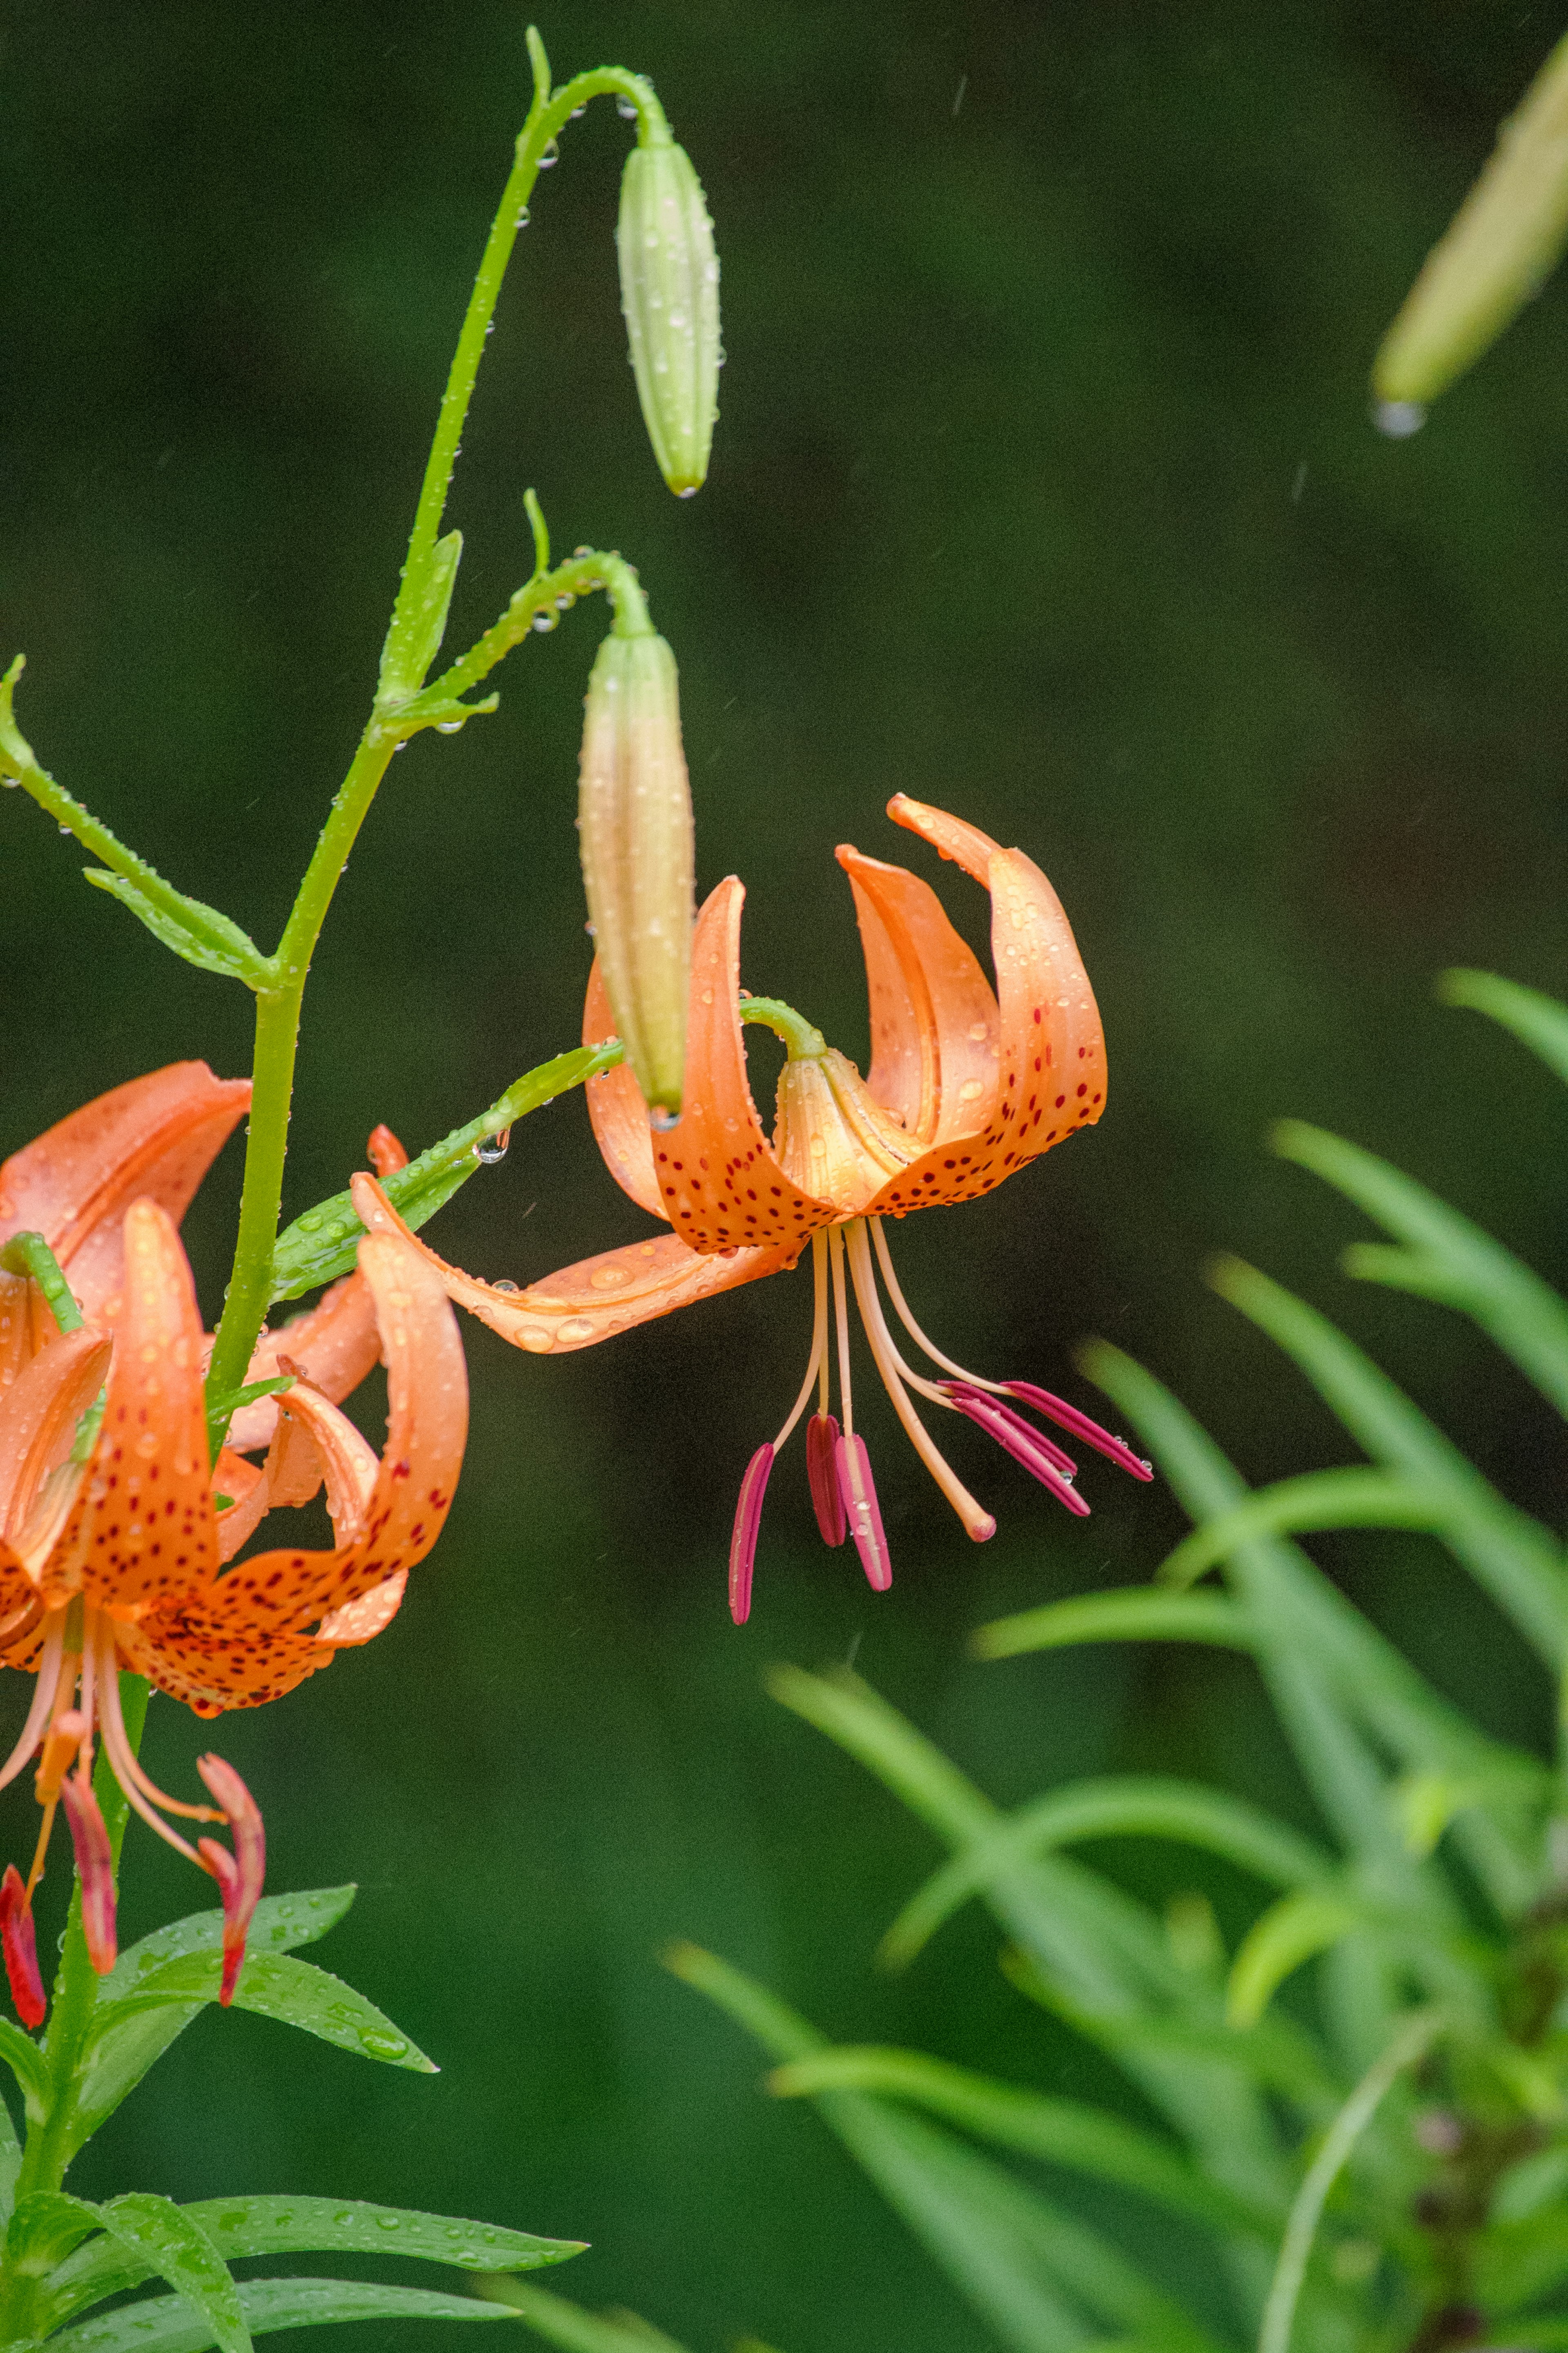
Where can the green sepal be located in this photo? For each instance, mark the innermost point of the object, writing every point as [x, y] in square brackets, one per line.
[243, 2227]
[294, 1992]
[324, 1242]
[47, 2226]
[165, 2323]
[414, 641]
[199, 933]
[175, 2248]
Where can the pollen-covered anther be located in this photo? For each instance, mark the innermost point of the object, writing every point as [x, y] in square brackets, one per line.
[241, 1875]
[19, 1942]
[95, 1868]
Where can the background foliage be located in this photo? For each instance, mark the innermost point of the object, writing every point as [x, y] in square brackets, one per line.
[1043, 487]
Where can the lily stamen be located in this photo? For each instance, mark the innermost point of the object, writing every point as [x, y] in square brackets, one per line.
[978, 1523]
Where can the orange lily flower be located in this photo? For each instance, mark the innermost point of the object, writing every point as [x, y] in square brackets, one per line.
[966, 1086]
[113, 1560]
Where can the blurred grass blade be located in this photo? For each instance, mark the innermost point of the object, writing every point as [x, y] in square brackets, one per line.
[1034, 2274]
[165, 2325]
[568, 2326]
[1355, 1498]
[1064, 2132]
[1515, 1559]
[1412, 2040]
[1538, 1021]
[275, 2226]
[1290, 1932]
[1445, 1257]
[1136, 1614]
[1121, 1807]
[175, 2248]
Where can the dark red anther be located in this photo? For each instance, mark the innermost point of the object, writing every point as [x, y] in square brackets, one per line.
[743, 1540]
[95, 1869]
[858, 1491]
[822, 1469]
[1026, 1445]
[19, 1941]
[241, 1875]
[1067, 1417]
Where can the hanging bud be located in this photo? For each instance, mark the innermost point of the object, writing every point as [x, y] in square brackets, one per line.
[669, 293]
[1503, 242]
[635, 822]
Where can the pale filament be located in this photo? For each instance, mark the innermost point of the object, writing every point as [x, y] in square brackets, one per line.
[127, 1772]
[42, 1698]
[841, 1307]
[818, 1363]
[977, 1522]
[900, 1306]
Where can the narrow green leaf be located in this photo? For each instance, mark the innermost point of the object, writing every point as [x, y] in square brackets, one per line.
[1035, 2275]
[280, 1923]
[1290, 1932]
[1509, 1553]
[199, 933]
[1445, 1256]
[1064, 2132]
[165, 2323]
[10, 2163]
[419, 624]
[1537, 1021]
[569, 2328]
[1135, 1614]
[27, 2064]
[323, 1243]
[176, 2247]
[1118, 1807]
[307, 2226]
[295, 1992]
[1355, 1498]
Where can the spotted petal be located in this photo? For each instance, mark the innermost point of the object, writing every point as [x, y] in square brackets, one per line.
[724, 1186]
[245, 1642]
[153, 1139]
[1052, 1056]
[38, 1415]
[594, 1299]
[934, 1023]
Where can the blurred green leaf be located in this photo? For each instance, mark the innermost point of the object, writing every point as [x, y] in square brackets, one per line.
[1512, 1557]
[1135, 1614]
[1290, 1932]
[165, 2323]
[281, 2225]
[174, 2246]
[1538, 1021]
[1121, 1807]
[1445, 1257]
[1355, 1498]
[1064, 2132]
[568, 2326]
[1036, 2275]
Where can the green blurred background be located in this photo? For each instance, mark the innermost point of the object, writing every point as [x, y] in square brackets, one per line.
[1044, 488]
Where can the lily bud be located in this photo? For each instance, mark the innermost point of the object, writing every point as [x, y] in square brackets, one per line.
[1504, 240]
[634, 823]
[669, 293]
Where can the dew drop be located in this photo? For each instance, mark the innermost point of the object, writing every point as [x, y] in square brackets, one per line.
[1399, 418]
[545, 621]
[383, 2046]
[504, 1284]
[519, 219]
[625, 109]
[662, 1119]
[492, 1149]
[448, 726]
[551, 157]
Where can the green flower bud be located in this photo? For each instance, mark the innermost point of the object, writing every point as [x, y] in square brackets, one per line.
[669, 293]
[635, 822]
[1502, 243]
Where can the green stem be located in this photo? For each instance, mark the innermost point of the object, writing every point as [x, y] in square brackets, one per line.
[30, 1254]
[805, 1040]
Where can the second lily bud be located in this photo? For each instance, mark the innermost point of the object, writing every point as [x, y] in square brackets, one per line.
[635, 821]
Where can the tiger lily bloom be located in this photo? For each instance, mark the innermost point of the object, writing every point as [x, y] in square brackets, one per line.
[966, 1086]
[114, 1526]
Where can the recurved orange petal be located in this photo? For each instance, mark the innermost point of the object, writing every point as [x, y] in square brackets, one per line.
[334, 1345]
[724, 1186]
[143, 1527]
[934, 1022]
[594, 1299]
[38, 1415]
[153, 1139]
[1052, 1060]
[617, 1110]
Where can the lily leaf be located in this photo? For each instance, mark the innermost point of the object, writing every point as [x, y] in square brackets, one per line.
[199, 933]
[166, 2324]
[274, 1986]
[1538, 1021]
[307, 2226]
[576, 2331]
[47, 2225]
[414, 641]
[27, 2064]
[280, 1923]
[173, 2245]
[1135, 1614]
